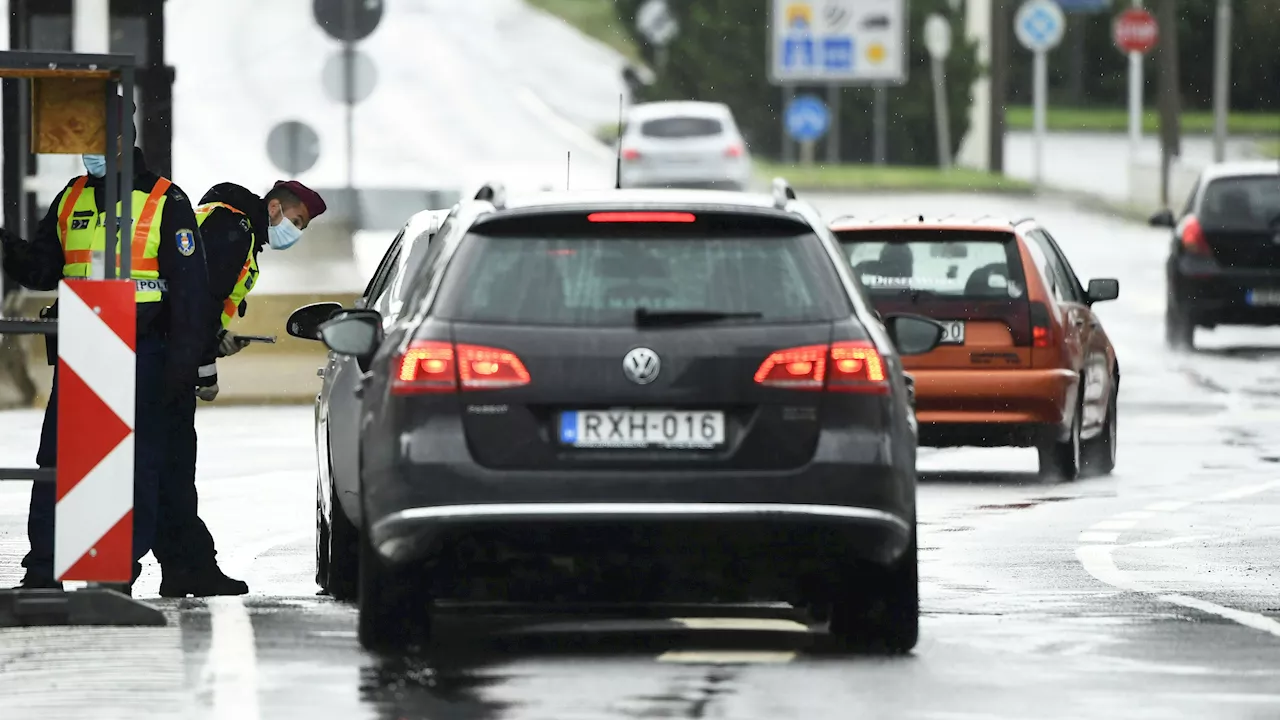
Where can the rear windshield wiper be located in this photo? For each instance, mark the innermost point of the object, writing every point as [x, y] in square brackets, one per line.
[647, 317]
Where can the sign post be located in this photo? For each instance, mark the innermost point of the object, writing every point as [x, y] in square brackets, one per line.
[1221, 79]
[655, 21]
[1039, 26]
[1135, 33]
[807, 120]
[937, 40]
[839, 43]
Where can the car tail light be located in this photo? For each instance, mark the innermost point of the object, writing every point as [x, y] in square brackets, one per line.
[733, 151]
[854, 366]
[630, 154]
[430, 366]
[641, 217]
[1041, 328]
[1192, 237]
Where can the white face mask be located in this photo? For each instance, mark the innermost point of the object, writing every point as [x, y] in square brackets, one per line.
[283, 234]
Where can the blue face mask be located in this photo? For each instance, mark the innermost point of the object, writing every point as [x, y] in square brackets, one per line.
[283, 234]
[95, 164]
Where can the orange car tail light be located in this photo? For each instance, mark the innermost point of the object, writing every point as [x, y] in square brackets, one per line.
[1041, 327]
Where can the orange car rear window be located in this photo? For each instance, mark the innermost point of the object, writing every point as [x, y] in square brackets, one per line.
[945, 265]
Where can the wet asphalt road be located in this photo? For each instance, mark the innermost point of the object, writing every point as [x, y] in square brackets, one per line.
[1148, 594]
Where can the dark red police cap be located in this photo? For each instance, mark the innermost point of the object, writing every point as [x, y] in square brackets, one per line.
[310, 198]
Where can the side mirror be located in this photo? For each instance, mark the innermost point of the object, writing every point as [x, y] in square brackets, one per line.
[914, 334]
[1103, 289]
[305, 321]
[356, 333]
[1164, 218]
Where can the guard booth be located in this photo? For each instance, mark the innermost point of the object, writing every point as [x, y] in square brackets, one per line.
[76, 108]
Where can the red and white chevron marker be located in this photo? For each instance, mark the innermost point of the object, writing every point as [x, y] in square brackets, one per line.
[97, 358]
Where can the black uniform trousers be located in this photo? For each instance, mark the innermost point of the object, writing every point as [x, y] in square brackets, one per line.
[183, 543]
[150, 442]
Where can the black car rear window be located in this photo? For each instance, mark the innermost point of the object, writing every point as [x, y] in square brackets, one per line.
[681, 127]
[602, 278]
[936, 264]
[1242, 203]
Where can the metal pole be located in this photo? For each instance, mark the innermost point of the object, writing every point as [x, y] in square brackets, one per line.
[1135, 100]
[880, 124]
[942, 114]
[349, 94]
[1221, 79]
[833, 131]
[788, 149]
[112, 183]
[1040, 90]
[126, 174]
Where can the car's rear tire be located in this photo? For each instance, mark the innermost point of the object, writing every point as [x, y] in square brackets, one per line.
[1100, 452]
[1179, 330]
[880, 613]
[394, 609]
[1061, 461]
[343, 581]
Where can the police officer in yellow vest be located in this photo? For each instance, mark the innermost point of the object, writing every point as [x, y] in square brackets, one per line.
[235, 225]
[174, 323]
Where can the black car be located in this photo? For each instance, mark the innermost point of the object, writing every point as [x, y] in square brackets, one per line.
[654, 395]
[1224, 264]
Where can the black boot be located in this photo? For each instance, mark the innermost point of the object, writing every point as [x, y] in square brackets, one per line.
[39, 581]
[199, 583]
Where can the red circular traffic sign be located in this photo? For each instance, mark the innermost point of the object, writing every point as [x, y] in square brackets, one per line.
[1135, 30]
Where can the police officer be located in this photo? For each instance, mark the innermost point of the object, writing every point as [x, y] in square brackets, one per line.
[173, 326]
[235, 225]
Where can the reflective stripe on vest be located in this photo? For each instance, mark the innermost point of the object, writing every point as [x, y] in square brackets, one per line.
[82, 239]
[248, 273]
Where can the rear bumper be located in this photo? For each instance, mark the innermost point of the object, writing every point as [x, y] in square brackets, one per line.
[712, 175]
[415, 533]
[1212, 295]
[992, 397]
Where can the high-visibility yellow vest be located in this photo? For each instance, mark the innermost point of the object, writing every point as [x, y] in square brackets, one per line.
[248, 273]
[82, 232]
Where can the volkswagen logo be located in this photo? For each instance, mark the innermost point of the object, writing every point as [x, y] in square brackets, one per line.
[641, 366]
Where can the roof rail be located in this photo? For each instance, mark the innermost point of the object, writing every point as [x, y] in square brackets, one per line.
[782, 192]
[1023, 220]
[493, 192]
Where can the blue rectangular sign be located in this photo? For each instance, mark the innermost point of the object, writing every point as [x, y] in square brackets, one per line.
[1084, 6]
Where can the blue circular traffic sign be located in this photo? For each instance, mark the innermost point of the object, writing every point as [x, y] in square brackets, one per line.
[806, 118]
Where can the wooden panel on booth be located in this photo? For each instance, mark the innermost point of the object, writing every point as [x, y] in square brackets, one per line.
[68, 115]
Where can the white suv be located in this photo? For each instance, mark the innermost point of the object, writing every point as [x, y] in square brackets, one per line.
[684, 144]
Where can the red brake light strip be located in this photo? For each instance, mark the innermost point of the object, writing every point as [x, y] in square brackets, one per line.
[641, 217]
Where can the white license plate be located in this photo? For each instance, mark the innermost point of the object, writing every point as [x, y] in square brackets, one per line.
[1263, 298]
[953, 332]
[642, 428]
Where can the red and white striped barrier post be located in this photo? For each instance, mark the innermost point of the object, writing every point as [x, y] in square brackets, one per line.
[97, 361]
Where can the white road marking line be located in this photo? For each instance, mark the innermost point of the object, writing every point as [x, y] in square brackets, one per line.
[1098, 562]
[1099, 537]
[1135, 515]
[1243, 492]
[1168, 505]
[1171, 541]
[742, 624]
[743, 657]
[232, 669]
[1114, 525]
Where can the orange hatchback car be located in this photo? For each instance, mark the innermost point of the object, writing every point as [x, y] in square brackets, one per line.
[1024, 361]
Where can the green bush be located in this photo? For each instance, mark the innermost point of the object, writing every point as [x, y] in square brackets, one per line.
[721, 55]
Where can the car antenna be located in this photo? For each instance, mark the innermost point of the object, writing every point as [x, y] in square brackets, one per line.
[568, 165]
[617, 183]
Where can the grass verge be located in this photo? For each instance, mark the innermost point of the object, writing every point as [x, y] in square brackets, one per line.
[1117, 120]
[854, 178]
[594, 18]
[1270, 149]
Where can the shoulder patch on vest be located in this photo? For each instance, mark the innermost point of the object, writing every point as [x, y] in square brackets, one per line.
[244, 224]
[186, 242]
